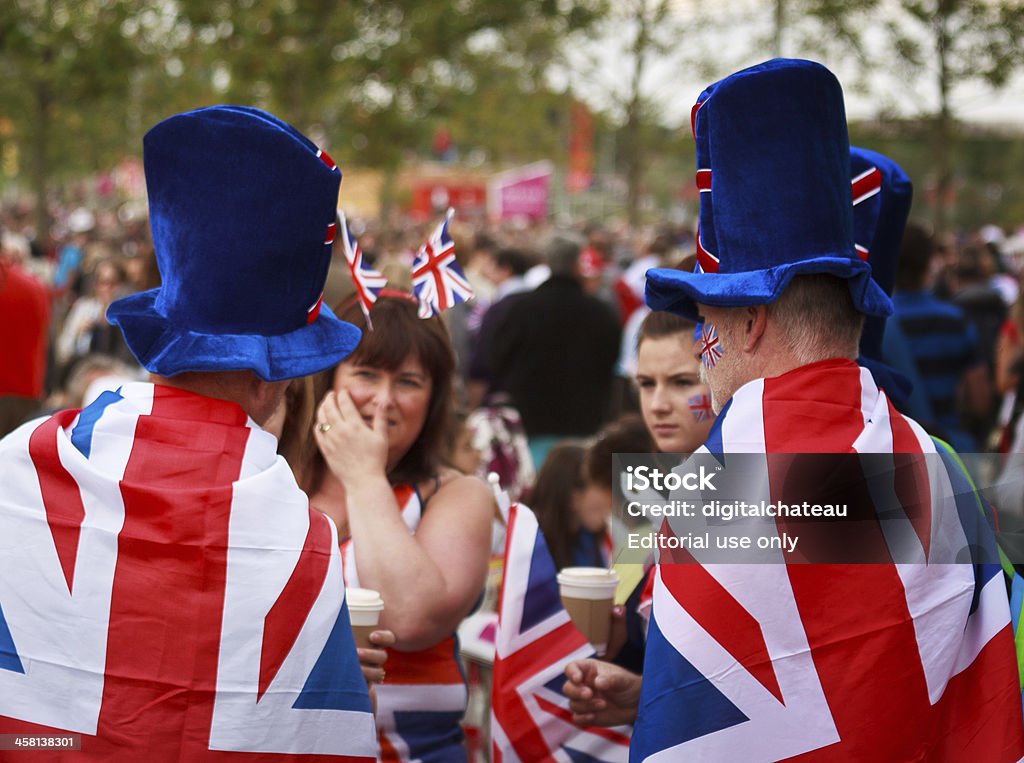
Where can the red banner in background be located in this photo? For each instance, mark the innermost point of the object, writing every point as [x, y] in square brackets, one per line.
[469, 198]
[581, 148]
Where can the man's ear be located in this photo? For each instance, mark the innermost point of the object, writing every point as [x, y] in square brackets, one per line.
[755, 321]
[266, 397]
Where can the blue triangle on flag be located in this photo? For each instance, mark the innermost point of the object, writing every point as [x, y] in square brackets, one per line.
[714, 440]
[81, 435]
[556, 683]
[336, 681]
[542, 599]
[577, 756]
[9, 659]
[677, 702]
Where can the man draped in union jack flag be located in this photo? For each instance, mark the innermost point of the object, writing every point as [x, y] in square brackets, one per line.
[908, 657]
[167, 592]
[437, 280]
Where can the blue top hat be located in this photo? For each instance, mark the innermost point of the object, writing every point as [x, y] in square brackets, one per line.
[773, 170]
[242, 212]
[882, 193]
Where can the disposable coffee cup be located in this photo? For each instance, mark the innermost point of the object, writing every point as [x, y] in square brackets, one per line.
[587, 594]
[364, 608]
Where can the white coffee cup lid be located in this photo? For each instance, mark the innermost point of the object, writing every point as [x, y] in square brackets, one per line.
[598, 577]
[363, 598]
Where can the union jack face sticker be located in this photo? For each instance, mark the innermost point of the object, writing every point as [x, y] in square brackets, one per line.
[710, 347]
[700, 407]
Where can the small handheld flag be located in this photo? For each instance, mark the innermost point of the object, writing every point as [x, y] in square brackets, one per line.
[437, 280]
[368, 282]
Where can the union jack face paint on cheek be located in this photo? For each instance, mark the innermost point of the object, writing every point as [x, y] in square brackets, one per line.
[700, 407]
[710, 346]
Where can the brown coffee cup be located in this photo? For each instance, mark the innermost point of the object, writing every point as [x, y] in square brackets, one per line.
[587, 595]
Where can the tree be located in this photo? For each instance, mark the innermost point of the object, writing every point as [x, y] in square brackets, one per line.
[954, 42]
[945, 43]
[64, 67]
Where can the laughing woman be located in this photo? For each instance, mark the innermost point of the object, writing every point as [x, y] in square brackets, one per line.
[412, 529]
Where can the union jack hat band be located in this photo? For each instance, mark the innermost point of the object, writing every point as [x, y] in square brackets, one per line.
[773, 175]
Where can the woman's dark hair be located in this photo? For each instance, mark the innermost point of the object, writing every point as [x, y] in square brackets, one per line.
[627, 434]
[296, 443]
[551, 499]
[397, 332]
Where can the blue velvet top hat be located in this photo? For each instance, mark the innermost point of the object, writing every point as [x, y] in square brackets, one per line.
[242, 210]
[882, 193]
[773, 170]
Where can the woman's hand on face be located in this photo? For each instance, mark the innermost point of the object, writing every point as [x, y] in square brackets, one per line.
[351, 447]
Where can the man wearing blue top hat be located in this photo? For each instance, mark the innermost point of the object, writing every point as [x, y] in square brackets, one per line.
[898, 659]
[167, 591]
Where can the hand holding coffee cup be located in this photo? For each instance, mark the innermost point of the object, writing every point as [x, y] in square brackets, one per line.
[587, 594]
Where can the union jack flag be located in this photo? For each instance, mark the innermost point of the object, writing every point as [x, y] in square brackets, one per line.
[710, 348]
[152, 605]
[437, 280]
[822, 662]
[530, 717]
[368, 282]
[700, 407]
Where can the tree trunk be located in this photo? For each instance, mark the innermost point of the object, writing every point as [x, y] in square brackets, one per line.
[634, 148]
[40, 168]
[943, 129]
[780, 25]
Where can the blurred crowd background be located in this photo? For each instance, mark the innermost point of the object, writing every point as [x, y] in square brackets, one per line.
[526, 118]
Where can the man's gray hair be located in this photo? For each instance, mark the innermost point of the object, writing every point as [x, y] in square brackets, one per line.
[816, 316]
[562, 252]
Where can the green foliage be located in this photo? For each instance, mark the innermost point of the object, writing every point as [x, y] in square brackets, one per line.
[81, 81]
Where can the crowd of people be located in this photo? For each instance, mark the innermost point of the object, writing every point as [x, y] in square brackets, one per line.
[154, 368]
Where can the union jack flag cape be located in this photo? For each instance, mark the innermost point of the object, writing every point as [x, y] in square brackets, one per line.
[530, 717]
[437, 280]
[823, 662]
[368, 282]
[167, 593]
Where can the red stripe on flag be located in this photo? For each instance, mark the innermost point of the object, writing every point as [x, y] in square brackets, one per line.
[990, 729]
[326, 159]
[693, 117]
[161, 668]
[792, 426]
[864, 647]
[61, 497]
[434, 665]
[285, 619]
[565, 715]
[811, 459]
[866, 185]
[717, 612]
[708, 262]
[507, 704]
[388, 753]
[313, 313]
[858, 626]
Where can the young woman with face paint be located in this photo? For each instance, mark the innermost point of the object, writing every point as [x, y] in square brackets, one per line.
[675, 404]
